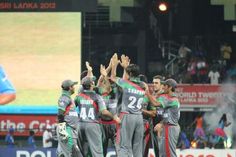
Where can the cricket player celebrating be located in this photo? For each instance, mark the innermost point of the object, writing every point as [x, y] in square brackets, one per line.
[68, 122]
[168, 128]
[90, 105]
[130, 132]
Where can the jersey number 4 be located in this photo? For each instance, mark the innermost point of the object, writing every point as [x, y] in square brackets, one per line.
[84, 115]
[135, 103]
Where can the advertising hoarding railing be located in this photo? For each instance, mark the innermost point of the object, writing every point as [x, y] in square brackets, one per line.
[23, 123]
[42, 152]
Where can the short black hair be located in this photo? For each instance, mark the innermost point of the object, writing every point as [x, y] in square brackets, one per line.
[143, 78]
[83, 74]
[65, 88]
[133, 70]
[86, 86]
[159, 77]
[173, 89]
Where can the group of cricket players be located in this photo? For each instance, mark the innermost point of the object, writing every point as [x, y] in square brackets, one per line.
[121, 110]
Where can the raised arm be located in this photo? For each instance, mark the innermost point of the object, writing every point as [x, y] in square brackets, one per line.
[103, 76]
[124, 63]
[108, 69]
[90, 69]
[114, 63]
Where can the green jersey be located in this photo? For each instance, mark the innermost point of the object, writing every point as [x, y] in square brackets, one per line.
[132, 96]
[68, 107]
[171, 107]
[89, 106]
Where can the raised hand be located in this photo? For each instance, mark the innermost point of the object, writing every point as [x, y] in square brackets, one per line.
[103, 71]
[114, 60]
[89, 68]
[124, 61]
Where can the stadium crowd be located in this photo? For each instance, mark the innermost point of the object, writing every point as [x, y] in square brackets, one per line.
[195, 66]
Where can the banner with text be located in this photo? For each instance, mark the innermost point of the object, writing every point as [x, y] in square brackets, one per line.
[23, 123]
[42, 152]
[48, 5]
[204, 95]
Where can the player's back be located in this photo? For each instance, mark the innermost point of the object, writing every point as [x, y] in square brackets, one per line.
[132, 97]
[89, 104]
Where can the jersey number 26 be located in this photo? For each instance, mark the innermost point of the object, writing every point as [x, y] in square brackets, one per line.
[135, 103]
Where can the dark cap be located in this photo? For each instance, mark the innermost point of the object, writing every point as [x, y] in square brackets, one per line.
[68, 83]
[170, 82]
[87, 80]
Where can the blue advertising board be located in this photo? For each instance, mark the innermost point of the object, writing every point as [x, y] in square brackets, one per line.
[39, 152]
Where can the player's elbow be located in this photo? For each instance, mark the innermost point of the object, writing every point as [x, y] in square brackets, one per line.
[105, 112]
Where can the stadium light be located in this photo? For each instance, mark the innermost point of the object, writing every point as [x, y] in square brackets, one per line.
[162, 6]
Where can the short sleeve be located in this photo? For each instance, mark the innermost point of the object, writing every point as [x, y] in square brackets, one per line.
[120, 82]
[63, 102]
[101, 103]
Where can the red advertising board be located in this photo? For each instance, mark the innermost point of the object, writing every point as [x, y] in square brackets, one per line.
[23, 123]
[203, 95]
[201, 153]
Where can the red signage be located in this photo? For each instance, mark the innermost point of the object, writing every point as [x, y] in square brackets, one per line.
[204, 95]
[23, 123]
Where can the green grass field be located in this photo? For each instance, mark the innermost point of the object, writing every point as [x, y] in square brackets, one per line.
[38, 51]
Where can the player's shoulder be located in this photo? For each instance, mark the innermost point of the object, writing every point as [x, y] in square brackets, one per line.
[64, 99]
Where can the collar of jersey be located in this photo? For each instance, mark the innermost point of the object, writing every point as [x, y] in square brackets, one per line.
[134, 79]
[174, 95]
[89, 91]
[67, 93]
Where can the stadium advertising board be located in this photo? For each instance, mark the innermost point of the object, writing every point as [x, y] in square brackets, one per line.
[23, 123]
[207, 153]
[42, 152]
[28, 152]
[47, 5]
[189, 96]
[204, 95]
